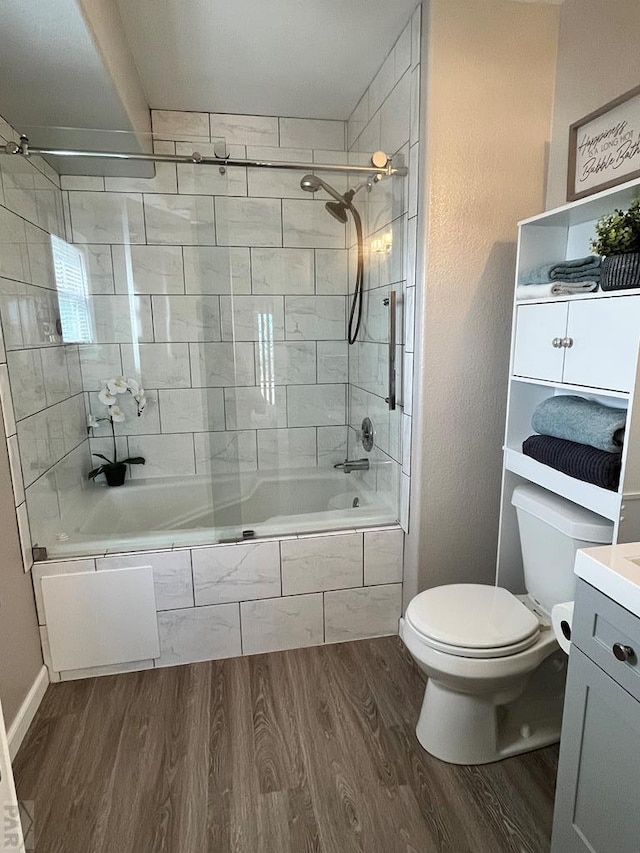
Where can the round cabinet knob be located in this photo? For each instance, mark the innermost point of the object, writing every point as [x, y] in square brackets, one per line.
[557, 343]
[622, 652]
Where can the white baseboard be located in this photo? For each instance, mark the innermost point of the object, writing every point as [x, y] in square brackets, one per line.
[27, 711]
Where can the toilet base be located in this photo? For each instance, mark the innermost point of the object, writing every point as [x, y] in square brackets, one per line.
[462, 728]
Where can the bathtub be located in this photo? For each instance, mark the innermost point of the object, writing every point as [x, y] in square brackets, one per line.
[178, 512]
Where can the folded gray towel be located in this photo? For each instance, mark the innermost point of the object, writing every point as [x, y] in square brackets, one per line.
[582, 421]
[580, 269]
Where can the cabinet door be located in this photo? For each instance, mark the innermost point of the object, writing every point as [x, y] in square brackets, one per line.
[537, 327]
[605, 335]
[599, 773]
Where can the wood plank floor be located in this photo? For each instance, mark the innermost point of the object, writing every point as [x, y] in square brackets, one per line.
[307, 751]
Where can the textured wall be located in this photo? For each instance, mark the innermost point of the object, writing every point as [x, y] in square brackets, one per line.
[486, 132]
[598, 60]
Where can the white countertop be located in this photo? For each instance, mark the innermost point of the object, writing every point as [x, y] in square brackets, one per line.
[615, 571]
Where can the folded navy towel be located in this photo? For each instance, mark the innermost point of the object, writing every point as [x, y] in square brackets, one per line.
[580, 269]
[583, 421]
[576, 460]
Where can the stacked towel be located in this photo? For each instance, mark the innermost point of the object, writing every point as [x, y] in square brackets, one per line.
[578, 270]
[576, 460]
[582, 421]
[556, 288]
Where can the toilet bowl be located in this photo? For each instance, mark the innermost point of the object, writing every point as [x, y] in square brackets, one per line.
[495, 671]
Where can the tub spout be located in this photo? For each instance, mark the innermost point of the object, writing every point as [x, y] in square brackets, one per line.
[350, 465]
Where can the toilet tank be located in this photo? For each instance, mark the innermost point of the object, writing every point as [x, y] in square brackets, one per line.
[552, 529]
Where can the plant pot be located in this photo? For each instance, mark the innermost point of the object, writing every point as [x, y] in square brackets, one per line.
[115, 474]
[620, 272]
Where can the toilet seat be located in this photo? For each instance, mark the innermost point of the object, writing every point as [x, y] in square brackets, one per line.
[473, 620]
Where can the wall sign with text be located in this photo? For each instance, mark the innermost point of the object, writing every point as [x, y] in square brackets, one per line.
[604, 147]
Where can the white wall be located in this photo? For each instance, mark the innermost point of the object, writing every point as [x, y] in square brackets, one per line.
[486, 129]
[598, 59]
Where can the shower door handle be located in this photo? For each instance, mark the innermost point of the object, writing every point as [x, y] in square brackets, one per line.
[392, 302]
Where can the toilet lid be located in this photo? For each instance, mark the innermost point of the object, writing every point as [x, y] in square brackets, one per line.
[473, 617]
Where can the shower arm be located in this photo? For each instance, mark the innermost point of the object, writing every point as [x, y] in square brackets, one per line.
[24, 149]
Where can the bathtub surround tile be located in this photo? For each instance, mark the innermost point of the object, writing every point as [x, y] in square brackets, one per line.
[107, 217]
[382, 83]
[172, 580]
[197, 179]
[395, 117]
[186, 318]
[16, 470]
[255, 408]
[282, 271]
[312, 133]
[164, 181]
[27, 382]
[82, 182]
[56, 374]
[176, 124]
[315, 317]
[148, 269]
[220, 453]
[199, 633]
[383, 552]
[252, 318]
[179, 219]
[331, 271]
[6, 402]
[332, 445]
[217, 269]
[316, 405]
[222, 364]
[226, 573]
[280, 449]
[248, 222]
[406, 443]
[147, 424]
[161, 365]
[98, 267]
[356, 614]
[25, 537]
[281, 623]
[306, 224]
[166, 456]
[122, 319]
[405, 491]
[285, 363]
[277, 183]
[320, 563]
[98, 363]
[245, 129]
[50, 569]
[192, 410]
[333, 361]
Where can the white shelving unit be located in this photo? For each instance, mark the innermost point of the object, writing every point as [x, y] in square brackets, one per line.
[601, 364]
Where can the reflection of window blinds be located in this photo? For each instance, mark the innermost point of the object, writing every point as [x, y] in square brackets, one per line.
[73, 293]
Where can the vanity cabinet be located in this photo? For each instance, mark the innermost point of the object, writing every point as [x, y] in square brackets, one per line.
[588, 342]
[598, 786]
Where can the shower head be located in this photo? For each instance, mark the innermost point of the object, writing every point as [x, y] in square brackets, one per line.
[338, 209]
[312, 183]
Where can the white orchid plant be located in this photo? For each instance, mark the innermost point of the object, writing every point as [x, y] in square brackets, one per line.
[111, 390]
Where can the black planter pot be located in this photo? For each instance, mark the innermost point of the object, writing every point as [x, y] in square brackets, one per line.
[115, 474]
[620, 272]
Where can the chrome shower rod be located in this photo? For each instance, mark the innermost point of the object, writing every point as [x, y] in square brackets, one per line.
[25, 149]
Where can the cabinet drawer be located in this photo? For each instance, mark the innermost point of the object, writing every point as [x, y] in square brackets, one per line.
[599, 624]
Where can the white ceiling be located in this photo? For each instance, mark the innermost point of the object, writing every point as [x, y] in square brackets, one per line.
[309, 58]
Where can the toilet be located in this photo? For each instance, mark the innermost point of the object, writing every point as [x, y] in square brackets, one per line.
[495, 671]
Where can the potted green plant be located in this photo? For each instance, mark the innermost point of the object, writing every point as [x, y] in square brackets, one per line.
[618, 241]
[115, 470]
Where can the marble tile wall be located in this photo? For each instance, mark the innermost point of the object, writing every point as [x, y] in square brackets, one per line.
[40, 377]
[387, 118]
[225, 295]
[226, 600]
